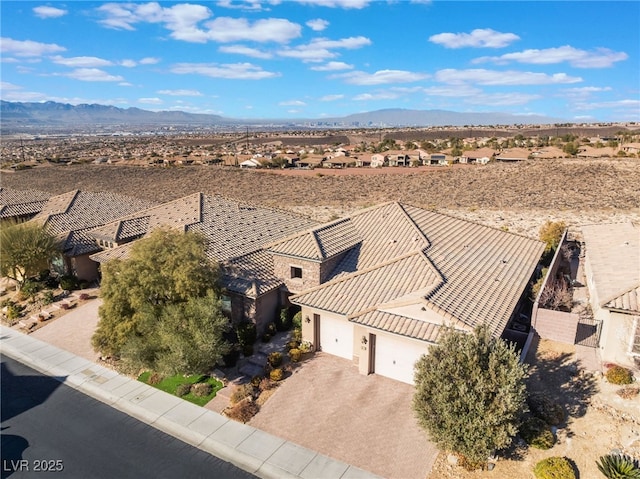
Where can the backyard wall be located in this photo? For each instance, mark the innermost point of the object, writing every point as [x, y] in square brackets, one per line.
[556, 325]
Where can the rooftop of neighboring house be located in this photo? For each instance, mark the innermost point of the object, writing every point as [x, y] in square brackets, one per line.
[20, 203]
[614, 255]
[71, 214]
[408, 268]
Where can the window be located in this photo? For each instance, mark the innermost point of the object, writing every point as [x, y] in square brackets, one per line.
[635, 339]
[226, 303]
[296, 272]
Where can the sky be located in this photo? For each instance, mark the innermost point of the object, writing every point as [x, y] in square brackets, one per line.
[575, 60]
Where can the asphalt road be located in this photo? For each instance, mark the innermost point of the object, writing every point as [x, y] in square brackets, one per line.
[52, 430]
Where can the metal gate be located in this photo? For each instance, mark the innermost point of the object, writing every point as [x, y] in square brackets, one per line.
[588, 332]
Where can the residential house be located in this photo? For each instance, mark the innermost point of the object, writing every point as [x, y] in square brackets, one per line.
[632, 148]
[399, 158]
[377, 287]
[612, 268]
[513, 154]
[378, 160]
[363, 160]
[21, 205]
[71, 215]
[236, 235]
[481, 156]
[591, 152]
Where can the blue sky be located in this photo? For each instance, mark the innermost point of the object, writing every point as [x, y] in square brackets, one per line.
[575, 60]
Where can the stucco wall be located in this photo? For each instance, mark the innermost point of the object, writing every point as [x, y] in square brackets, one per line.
[84, 267]
[616, 344]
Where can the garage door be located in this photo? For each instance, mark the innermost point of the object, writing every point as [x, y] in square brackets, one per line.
[336, 337]
[394, 357]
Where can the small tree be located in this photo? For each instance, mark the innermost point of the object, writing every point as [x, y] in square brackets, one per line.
[26, 249]
[551, 233]
[470, 393]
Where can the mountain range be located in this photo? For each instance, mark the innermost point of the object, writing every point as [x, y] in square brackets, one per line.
[17, 115]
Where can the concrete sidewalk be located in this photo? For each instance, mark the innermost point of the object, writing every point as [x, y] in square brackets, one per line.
[249, 448]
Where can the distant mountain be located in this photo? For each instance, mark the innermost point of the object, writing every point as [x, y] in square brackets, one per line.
[16, 116]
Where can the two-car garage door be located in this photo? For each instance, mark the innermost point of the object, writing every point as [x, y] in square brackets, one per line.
[395, 357]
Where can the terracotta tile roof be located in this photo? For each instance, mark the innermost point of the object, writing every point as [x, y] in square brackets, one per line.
[466, 273]
[120, 252]
[250, 275]
[403, 325]
[16, 203]
[613, 251]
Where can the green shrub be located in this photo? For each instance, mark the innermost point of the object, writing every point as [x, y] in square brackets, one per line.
[183, 389]
[271, 328]
[617, 466]
[537, 433]
[30, 288]
[296, 322]
[275, 359]
[255, 380]
[554, 468]
[305, 347]
[246, 332]
[297, 335]
[69, 282]
[295, 355]
[14, 310]
[292, 345]
[283, 323]
[201, 389]
[47, 297]
[619, 375]
[276, 374]
[543, 407]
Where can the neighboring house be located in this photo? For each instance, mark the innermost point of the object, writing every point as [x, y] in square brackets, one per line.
[69, 217]
[399, 158]
[633, 148]
[310, 161]
[513, 154]
[21, 205]
[591, 152]
[441, 159]
[363, 160]
[548, 152]
[251, 163]
[377, 288]
[236, 235]
[481, 156]
[378, 160]
[612, 268]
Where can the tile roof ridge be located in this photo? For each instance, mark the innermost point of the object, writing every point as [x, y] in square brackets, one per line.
[621, 293]
[457, 218]
[360, 272]
[72, 193]
[413, 223]
[316, 241]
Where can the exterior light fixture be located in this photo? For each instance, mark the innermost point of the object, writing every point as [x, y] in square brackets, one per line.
[363, 340]
[307, 319]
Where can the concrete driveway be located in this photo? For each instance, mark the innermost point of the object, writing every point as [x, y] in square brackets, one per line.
[366, 421]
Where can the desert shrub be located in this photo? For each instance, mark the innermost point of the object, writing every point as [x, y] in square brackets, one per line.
[183, 389]
[275, 359]
[14, 310]
[266, 384]
[247, 350]
[241, 393]
[30, 288]
[292, 345]
[554, 468]
[243, 411]
[271, 329]
[47, 297]
[296, 322]
[537, 433]
[295, 355]
[201, 389]
[84, 297]
[617, 466]
[297, 335]
[543, 407]
[551, 233]
[276, 374]
[155, 378]
[255, 380]
[628, 392]
[619, 375]
[305, 347]
[69, 282]
[247, 333]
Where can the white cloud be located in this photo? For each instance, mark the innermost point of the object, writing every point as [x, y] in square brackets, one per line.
[244, 50]
[583, 92]
[628, 103]
[235, 71]
[376, 96]
[332, 67]
[150, 101]
[128, 63]
[380, 77]
[92, 74]
[81, 62]
[319, 49]
[493, 77]
[49, 12]
[337, 3]
[331, 97]
[27, 48]
[251, 5]
[598, 58]
[149, 61]
[479, 38]
[317, 25]
[292, 103]
[454, 91]
[180, 92]
[278, 30]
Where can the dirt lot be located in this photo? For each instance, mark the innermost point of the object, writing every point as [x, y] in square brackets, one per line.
[518, 196]
[599, 420]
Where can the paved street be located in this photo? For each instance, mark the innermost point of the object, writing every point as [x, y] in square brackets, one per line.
[43, 419]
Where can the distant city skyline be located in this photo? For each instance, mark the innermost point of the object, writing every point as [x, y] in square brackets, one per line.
[576, 60]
